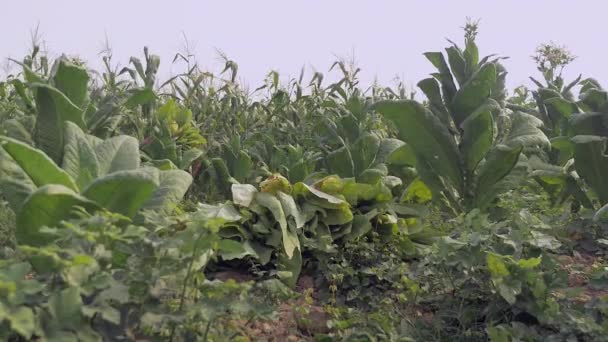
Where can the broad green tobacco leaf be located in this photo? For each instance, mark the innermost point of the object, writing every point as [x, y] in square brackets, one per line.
[79, 158]
[525, 131]
[431, 90]
[72, 80]
[361, 225]
[339, 216]
[341, 162]
[172, 186]
[226, 212]
[21, 177]
[15, 129]
[242, 166]
[589, 124]
[124, 192]
[188, 157]
[457, 64]
[372, 176]
[231, 249]
[54, 109]
[565, 148]
[428, 137]
[47, 206]
[444, 76]
[560, 109]
[478, 135]
[289, 267]
[318, 197]
[499, 163]
[364, 152]
[118, 153]
[474, 93]
[591, 163]
[291, 209]
[15, 184]
[272, 203]
[402, 156]
[38, 167]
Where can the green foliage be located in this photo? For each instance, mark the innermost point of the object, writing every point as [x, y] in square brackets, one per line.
[108, 176]
[458, 154]
[128, 206]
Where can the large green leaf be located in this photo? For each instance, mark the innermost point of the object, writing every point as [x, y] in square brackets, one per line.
[118, 153]
[431, 90]
[54, 109]
[559, 110]
[318, 197]
[471, 56]
[477, 135]
[124, 192]
[498, 164]
[188, 157]
[14, 128]
[225, 212]
[289, 267]
[242, 166]
[402, 156]
[591, 163]
[172, 187]
[364, 152]
[589, 124]
[15, 185]
[79, 158]
[72, 80]
[341, 162]
[473, 93]
[525, 130]
[290, 208]
[388, 148]
[457, 64]
[444, 76]
[47, 206]
[428, 137]
[24, 168]
[272, 203]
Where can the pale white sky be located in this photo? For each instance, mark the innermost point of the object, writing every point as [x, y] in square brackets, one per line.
[386, 37]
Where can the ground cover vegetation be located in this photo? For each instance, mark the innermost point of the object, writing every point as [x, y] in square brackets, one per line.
[195, 209]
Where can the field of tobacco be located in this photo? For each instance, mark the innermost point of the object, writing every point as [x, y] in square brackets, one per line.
[195, 209]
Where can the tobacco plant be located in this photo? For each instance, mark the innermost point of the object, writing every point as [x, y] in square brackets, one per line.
[464, 152]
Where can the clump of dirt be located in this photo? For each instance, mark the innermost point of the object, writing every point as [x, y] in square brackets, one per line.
[296, 320]
[579, 268]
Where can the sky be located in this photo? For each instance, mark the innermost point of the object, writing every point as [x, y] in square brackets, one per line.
[386, 38]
